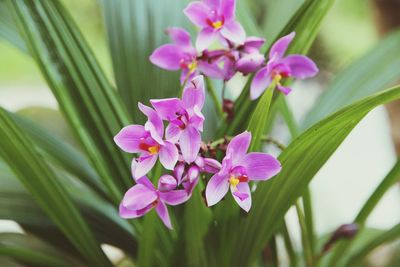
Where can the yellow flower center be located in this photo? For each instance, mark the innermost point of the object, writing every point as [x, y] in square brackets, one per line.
[154, 149]
[192, 66]
[234, 181]
[277, 78]
[218, 24]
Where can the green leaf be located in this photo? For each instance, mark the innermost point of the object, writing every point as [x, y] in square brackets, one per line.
[8, 29]
[90, 104]
[300, 162]
[259, 118]
[33, 252]
[385, 237]
[135, 28]
[44, 185]
[377, 69]
[390, 180]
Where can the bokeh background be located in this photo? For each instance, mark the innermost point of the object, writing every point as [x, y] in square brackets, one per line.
[348, 178]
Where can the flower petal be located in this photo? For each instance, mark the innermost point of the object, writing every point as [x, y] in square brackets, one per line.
[146, 182]
[233, 31]
[189, 142]
[227, 9]
[193, 173]
[168, 155]
[179, 36]
[197, 13]
[216, 189]
[167, 107]
[167, 56]
[279, 48]
[211, 165]
[211, 70]
[128, 139]
[162, 212]
[194, 93]
[301, 66]
[167, 183]
[238, 147]
[205, 38]
[154, 124]
[138, 197]
[127, 213]
[253, 44]
[283, 89]
[242, 196]
[174, 197]
[172, 133]
[261, 81]
[144, 165]
[260, 166]
[250, 62]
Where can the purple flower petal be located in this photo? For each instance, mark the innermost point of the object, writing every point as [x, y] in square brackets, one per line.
[283, 89]
[138, 197]
[301, 66]
[166, 108]
[173, 133]
[211, 165]
[167, 183]
[212, 4]
[197, 13]
[144, 165]
[279, 48]
[168, 155]
[260, 82]
[211, 70]
[127, 213]
[194, 94]
[253, 44]
[197, 119]
[162, 212]
[238, 147]
[154, 125]
[179, 36]
[260, 166]
[193, 173]
[242, 196]
[250, 62]
[234, 32]
[227, 9]
[167, 56]
[128, 139]
[178, 171]
[189, 186]
[174, 197]
[216, 189]
[205, 38]
[190, 143]
[146, 182]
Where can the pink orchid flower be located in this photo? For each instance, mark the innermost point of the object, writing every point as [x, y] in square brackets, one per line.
[216, 18]
[238, 168]
[185, 118]
[148, 142]
[188, 174]
[250, 58]
[143, 197]
[280, 66]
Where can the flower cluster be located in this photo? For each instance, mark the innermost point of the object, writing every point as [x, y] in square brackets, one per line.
[234, 52]
[172, 132]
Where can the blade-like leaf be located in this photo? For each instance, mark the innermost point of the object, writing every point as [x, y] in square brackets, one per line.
[33, 252]
[8, 29]
[44, 185]
[385, 237]
[135, 28]
[372, 72]
[300, 162]
[390, 180]
[89, 103]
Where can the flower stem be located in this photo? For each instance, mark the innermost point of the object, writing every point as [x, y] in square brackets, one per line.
[217, 104]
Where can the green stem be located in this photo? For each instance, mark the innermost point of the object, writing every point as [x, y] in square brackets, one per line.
[289, 246]
[308, 257]
[214, 97]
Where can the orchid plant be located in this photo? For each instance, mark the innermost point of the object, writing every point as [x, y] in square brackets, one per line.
[145, 179]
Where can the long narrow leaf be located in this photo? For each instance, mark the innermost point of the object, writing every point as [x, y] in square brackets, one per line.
[89, 103]
[300, 162]
[42, 182]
